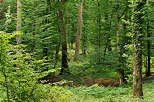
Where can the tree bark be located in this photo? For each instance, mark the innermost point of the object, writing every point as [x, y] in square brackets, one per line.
[137, 49]
[118, 47]
[148, 48]
[18, 28]
[77, 49]
[62, 30]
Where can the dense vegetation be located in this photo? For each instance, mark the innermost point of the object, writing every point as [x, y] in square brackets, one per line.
[42, 41]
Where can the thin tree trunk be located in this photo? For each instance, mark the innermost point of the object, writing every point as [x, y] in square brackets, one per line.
[18, 28]
[118, 47]
[148, 48]
[137, 50]
[77, 49]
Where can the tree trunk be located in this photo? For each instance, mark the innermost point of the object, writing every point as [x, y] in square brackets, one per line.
[137, 49]
[62, 30]
[18, 28]
[148, 44]
[118, 47]
[77, 49]
[137, 67]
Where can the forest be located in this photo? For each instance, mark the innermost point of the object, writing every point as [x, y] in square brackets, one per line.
[76, 50]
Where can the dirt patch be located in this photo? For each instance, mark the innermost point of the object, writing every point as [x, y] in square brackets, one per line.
[107, 82]
[87, 80]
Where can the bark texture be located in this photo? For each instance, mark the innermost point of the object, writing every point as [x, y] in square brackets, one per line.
[62, 30]
[18, 28]
[118, 46]
[137, 49]
[148, 48]
[77, 49]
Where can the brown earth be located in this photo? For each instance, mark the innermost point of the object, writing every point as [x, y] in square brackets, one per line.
[88, 81]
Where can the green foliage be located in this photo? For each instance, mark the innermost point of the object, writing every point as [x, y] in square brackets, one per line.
[106, 94]
[98, 53]
[17, 75]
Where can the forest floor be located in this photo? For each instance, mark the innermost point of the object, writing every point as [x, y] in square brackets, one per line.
[77, 81]
[89, 81]
[99, 93]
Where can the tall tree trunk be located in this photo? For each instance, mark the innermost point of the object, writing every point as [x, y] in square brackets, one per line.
[62, 30]
[148, 48]
[77, 49]
[137, 49]
[18, 28]
[118, 47]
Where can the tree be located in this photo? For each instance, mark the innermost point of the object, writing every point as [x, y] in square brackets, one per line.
[18, 28]
[61, 25]
[148, 73]
[77, 49]
[137, 48]
[118, 46]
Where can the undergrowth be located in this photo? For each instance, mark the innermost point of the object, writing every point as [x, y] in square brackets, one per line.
[97, 93]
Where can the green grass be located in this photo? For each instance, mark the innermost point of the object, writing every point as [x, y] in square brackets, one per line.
[96, 93]
[93, 93]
